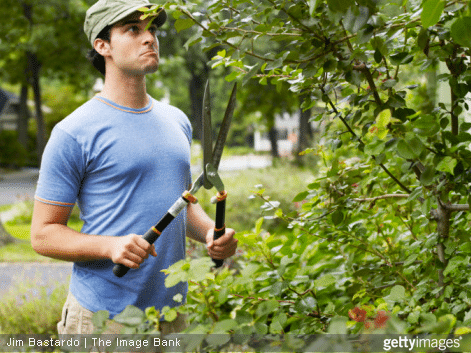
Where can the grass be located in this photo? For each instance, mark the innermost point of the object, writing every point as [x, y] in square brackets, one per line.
[20, 228]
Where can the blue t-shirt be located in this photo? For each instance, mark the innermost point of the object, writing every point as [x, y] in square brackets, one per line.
[124, 168]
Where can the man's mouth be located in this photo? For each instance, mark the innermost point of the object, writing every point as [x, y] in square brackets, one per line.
[150, 52]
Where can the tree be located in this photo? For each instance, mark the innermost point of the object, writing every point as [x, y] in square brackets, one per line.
[43, 39]
[394, 217]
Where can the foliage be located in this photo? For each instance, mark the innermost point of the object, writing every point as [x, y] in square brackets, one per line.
[54, 27]
[12, 153]
[382, 232]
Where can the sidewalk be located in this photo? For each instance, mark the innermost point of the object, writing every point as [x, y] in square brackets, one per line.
[18, 186]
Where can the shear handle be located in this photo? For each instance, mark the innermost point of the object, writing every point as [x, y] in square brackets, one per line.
[220, 226]
[154, 233]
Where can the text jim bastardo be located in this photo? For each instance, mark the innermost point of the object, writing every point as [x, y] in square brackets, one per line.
[95, 342]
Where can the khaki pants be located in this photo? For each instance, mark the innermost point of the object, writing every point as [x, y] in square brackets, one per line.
[78, 320]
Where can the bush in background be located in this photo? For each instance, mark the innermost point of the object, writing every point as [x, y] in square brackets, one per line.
[30, 308]
[12, 153]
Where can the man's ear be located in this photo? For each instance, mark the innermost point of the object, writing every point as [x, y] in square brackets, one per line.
[101, 46]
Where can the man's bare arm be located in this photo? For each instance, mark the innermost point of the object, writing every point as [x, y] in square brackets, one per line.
[51, 237]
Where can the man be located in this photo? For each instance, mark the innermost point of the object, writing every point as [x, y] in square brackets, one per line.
[124, 158]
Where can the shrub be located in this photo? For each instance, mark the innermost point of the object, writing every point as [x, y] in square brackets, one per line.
[12, 153]
[30, 308]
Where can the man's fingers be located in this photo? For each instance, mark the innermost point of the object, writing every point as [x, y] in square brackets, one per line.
[134, 250]
[223, 247]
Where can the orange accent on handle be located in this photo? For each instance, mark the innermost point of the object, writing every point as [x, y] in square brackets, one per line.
[221, 196]
[218, 230]
[156, 231]
[189, 197]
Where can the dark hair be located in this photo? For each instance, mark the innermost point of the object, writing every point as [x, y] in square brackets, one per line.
[96, 59]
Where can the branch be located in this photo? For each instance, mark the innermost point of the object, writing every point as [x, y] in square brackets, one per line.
[397, 181]
[456, 208]
[387, 196]
[364, 69]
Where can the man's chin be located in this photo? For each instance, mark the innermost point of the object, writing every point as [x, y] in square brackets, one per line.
[151, 69]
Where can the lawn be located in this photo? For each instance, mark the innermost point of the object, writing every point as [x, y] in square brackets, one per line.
[22, 251]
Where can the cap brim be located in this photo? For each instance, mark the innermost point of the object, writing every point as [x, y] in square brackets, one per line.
[159, 20]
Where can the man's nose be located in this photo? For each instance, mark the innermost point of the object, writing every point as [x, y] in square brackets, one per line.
[150, 38]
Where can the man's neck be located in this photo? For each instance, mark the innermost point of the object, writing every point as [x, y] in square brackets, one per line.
[128, 91]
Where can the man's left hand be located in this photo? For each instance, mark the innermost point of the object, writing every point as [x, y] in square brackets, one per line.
[223, 247]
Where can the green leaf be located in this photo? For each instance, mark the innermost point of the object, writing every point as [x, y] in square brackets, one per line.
[460, 31]
[401, 58]
[267, 307]
[178, 298]
[405, 150]
[224, 326]
[325, 281]
[339, 5]
[182, 24]
[169, 313]
[454, 263]
[243, 317]
[306, 305]
[384, 117]
[301, 196]
[260, 328]
[447, 165]
[312, 7]
[427, 176]
[199, 268]
[278, 323]
[196, 38]
[100, 318]
[397, 294]
[258, 225]
[130, 316]
[432, 10]
[356, 18]
[389, 83]
[337, 217]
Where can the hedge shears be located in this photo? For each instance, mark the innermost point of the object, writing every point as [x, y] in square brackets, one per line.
[209, 178]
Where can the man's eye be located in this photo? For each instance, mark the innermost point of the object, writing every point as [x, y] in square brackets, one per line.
[134, 29]
[153, 29]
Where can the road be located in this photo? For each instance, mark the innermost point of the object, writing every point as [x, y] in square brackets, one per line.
[18, 186]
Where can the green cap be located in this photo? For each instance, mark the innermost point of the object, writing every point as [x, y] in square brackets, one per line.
[107, 12]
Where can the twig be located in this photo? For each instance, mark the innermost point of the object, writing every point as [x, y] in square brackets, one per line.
[387, 196]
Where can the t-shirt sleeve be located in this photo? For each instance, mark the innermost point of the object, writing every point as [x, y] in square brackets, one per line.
[62, 169]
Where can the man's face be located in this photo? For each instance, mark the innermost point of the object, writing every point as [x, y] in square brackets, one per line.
[132, 49]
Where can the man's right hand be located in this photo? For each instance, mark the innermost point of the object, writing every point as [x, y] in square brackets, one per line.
[131, 250]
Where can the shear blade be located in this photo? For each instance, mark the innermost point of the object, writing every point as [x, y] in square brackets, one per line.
[207, 135]
[224, 130]
[210, 156]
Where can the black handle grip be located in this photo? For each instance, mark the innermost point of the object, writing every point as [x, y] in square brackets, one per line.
[151, 236]
[220, 227]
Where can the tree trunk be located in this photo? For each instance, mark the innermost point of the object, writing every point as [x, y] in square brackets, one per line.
[34, 66]
[273, 136]
[305, 133]
[23, 117]
[442, 217]
[5, 237]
